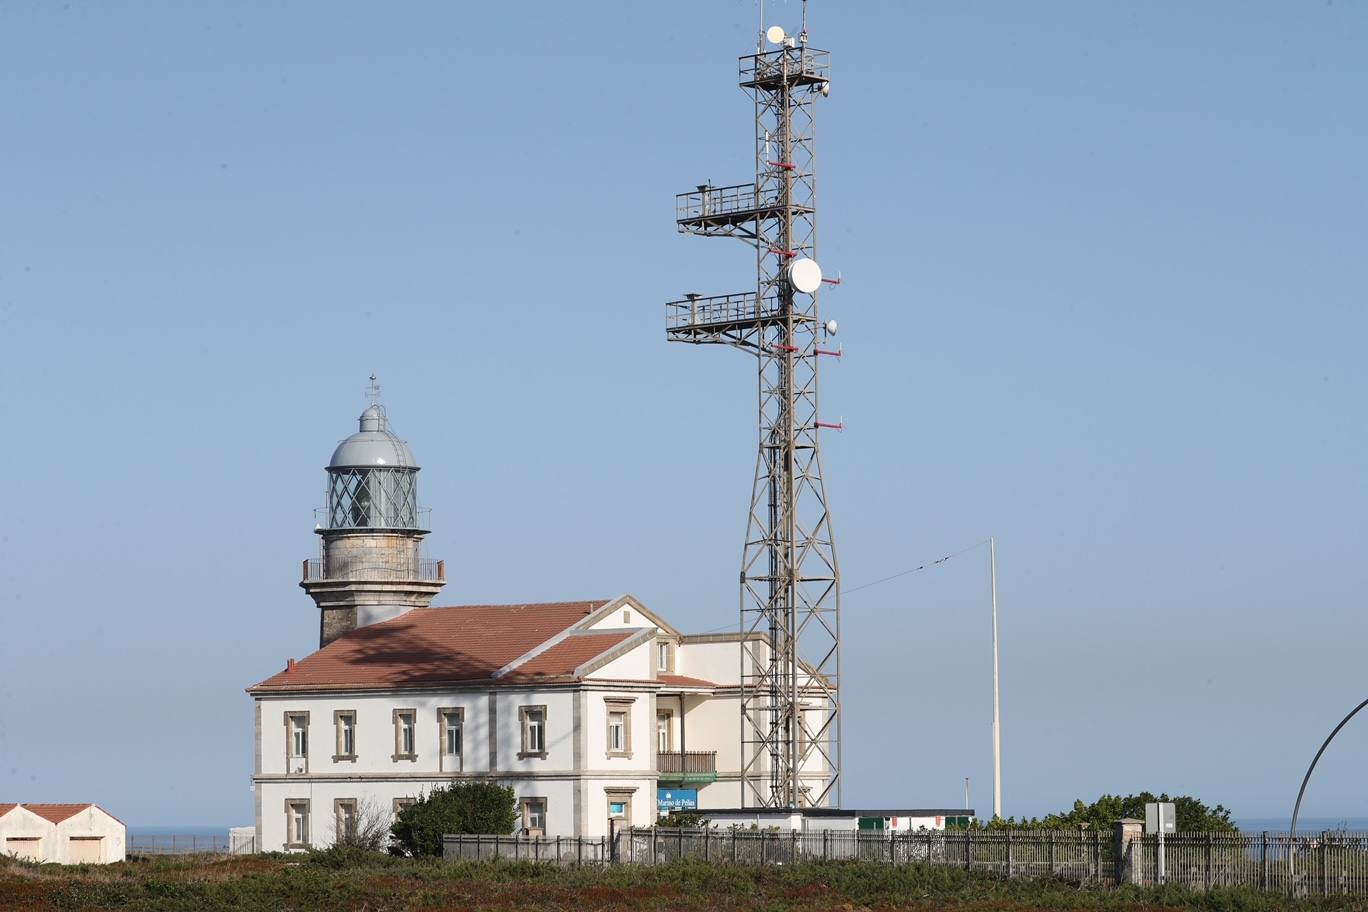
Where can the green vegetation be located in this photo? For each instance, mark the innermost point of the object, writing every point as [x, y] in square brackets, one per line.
[379, 883]
[1193, 815]
[463, 807]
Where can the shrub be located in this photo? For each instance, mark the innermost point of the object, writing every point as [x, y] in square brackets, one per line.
[463, 807]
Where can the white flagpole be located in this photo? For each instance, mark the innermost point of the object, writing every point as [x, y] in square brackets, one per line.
[997, 720]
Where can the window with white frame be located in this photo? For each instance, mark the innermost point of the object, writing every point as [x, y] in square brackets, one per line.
[405, 734]
[344, 720]
[451, 722]
[619, 713]
[533, 731]
[297, 742]
[297, 822]
[663, 726]
[534, 816]
[664, 656]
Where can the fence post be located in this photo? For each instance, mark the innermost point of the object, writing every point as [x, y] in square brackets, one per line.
[968, 850]
[892, 855]
[1325, 864]
[1052, 853]
[928, 847]
[1207, 877]
[733, 844]
[707, 842]
[654, 851]
[1009, 854]
[826, 844]
[1127, 845]
[1263, 861]
[793, 848]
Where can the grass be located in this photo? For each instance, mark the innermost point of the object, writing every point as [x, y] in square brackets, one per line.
[336, 882]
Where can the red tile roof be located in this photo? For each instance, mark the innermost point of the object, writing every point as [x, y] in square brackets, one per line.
[6, 808]
[56, 813]
[562, 659]
[446, 645]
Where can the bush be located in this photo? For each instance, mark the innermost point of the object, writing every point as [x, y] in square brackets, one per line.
[463, 807]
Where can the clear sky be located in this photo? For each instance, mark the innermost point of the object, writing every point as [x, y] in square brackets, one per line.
[1104, 299]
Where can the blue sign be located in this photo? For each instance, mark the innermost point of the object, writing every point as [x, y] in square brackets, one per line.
[676, 800]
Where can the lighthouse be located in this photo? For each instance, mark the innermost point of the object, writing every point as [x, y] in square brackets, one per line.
[370, 567]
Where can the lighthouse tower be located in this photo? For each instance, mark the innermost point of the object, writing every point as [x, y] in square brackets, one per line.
[370, 568]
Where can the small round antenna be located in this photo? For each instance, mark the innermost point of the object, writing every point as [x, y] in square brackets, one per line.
[775, 34]
[805, 275]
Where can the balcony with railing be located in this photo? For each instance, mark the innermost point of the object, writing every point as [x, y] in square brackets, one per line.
[719, 210]
[797, 65]
[697, 316]
[686, 766]
[422, 570]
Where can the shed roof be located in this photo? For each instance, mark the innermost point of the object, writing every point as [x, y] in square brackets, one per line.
[56, 813]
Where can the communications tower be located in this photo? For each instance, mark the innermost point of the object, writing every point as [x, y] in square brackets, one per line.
[790, 581]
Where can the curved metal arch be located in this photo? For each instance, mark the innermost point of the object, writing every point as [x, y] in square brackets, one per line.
[1296, 809]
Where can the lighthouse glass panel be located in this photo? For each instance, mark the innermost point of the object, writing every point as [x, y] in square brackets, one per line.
[373, 499]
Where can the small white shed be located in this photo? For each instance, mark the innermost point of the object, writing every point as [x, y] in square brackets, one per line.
[62, 833]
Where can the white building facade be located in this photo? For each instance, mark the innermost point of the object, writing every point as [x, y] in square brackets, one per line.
[592, 711]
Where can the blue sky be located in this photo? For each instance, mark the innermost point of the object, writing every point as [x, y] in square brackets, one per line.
[1104, 299]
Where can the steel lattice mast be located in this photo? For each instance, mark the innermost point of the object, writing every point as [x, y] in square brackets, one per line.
[790, 581]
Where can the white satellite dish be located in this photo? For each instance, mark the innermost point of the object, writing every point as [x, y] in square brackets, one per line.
[775, 34]
[805, 275]
[831, 327]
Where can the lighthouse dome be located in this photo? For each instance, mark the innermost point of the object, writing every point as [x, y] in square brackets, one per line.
[372, 445]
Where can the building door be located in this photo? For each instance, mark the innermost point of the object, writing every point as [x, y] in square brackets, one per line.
[26, 847]
[85, 850]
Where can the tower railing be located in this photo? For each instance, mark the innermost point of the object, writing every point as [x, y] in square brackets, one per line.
[723, 204]
[799, 64]
[422, 570]
[744, 307]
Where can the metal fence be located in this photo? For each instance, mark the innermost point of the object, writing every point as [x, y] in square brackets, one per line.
[1320, 864]
[182, 844]
[1077, 855]
[559, 850]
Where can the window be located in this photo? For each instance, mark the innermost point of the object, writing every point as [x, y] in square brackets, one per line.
[619, 726]
[533, 731]
[405, 739]
[626, 617]
[345, 722]
[664, 656]
[344, 809]
[534, 816]
[663, 740]
[297, 823]
[619, 805]
[296, 742]
[401, 803]
[451, 723]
